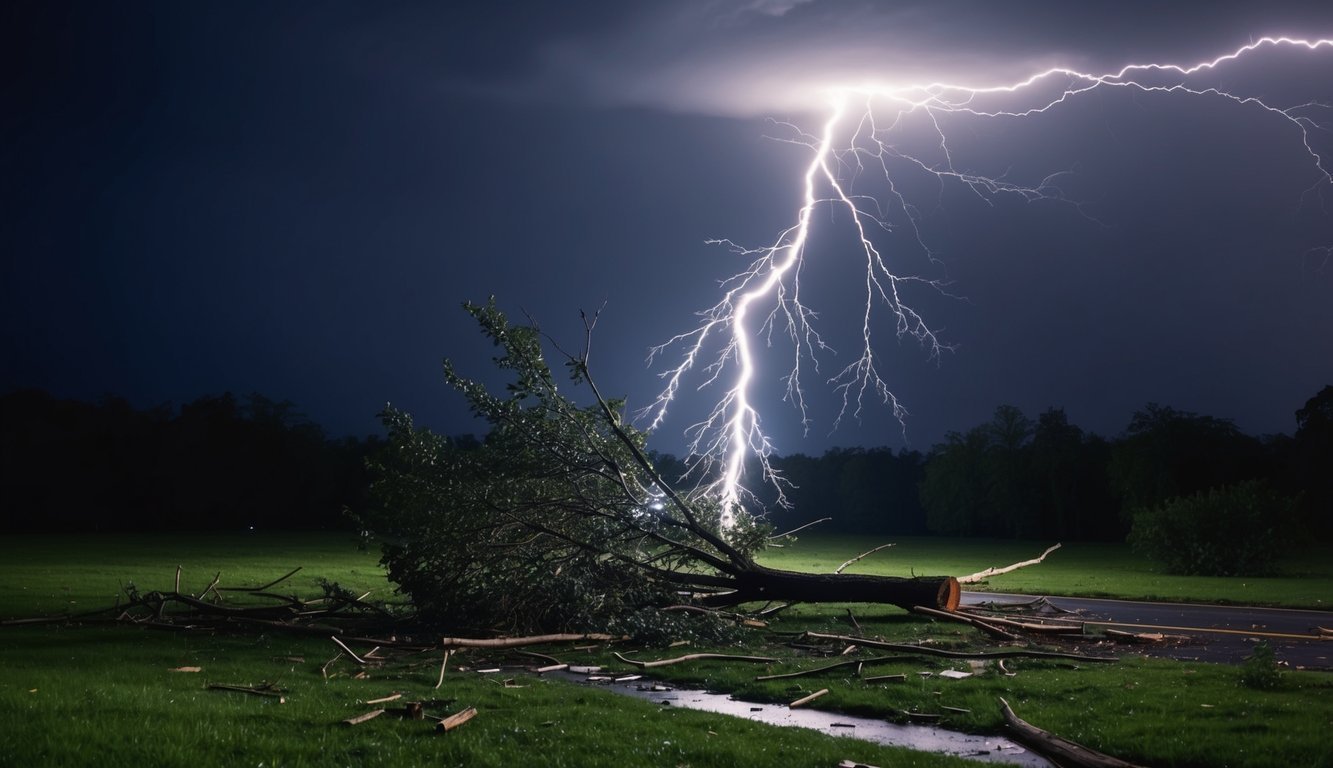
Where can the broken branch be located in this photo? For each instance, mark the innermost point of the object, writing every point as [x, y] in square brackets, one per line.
[801, 702]
[983, 575]
[453, 721]
[840, 568]
[917, 649]
[359, 719]
[518, 642]
[694, 657]
[1057, 748]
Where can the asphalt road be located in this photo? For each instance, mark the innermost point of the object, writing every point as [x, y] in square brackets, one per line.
[1221, 633]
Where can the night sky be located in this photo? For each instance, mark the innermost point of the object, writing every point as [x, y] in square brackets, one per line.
[294, 198]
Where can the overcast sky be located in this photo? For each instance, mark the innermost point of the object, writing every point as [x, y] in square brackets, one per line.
[294, 198]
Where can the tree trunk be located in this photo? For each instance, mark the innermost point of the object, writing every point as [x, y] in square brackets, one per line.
[760, 583]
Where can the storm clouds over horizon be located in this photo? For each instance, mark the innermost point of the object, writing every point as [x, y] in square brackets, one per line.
[295, 199]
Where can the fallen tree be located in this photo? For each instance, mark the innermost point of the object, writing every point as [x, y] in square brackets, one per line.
[559, 521]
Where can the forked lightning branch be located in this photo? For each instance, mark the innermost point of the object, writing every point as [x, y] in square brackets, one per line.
[860, 135]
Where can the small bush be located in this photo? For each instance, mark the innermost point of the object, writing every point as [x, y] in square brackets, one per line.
[1260, 669]
[1237, 530]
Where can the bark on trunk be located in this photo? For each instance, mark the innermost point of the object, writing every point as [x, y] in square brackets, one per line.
[760, 583]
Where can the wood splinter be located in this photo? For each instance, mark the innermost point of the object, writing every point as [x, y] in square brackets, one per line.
[801, 702]
[359, 719]
[453, 721]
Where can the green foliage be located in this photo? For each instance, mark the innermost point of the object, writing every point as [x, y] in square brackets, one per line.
[1013, 478]
[551, 523]
[1237, 530]
[1260, 670]
[1167, 453]
[218, 463]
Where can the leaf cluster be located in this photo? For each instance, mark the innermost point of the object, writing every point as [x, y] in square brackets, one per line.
[555, 521]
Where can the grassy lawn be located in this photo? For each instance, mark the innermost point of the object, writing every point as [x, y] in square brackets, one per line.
[1076, 569]
[99, 695]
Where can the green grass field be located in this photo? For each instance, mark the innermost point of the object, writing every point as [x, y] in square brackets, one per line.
[1076, 569]
[97, 695]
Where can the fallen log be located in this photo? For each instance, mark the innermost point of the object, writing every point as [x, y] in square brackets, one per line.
[758, 583]
[1056, 748]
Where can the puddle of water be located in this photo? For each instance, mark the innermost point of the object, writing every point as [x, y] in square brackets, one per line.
[990, 749]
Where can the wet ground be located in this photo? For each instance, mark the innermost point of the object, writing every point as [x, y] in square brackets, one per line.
[990, 749]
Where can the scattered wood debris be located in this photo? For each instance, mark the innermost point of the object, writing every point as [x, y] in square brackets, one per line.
[359, 719]
[519, 642]
[267, 690]
[1055, 748]
[692, 657]
[843, 567]
[1004, 653]
[455, 720]
[801, 702]
[983, 575]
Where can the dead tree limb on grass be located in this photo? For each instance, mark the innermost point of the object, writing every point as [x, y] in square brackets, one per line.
[980, 576]
[1060, 750]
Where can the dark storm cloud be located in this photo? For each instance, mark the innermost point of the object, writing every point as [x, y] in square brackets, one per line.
[294, 197]
[779, 57]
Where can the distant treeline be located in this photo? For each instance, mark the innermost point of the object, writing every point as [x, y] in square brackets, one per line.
[1048, 478]
[226, 462]
[216, 463]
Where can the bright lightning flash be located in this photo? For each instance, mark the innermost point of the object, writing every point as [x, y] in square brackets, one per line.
[860, 133]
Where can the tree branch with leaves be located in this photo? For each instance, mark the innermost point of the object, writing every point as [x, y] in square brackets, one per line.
[559, 520]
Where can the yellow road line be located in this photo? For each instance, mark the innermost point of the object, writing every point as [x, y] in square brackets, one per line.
[1247, 632]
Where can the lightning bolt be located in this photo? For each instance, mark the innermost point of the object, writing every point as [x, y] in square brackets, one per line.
[860, 134]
